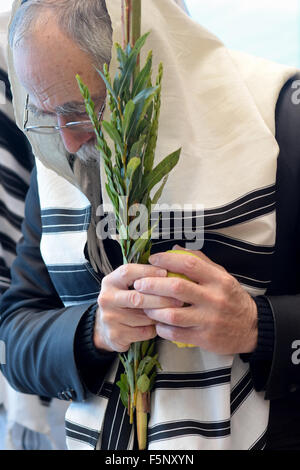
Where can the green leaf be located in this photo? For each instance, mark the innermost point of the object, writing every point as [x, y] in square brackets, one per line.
[127, 73]
[138, 248]
[132, 166]
[124, 389]
[162, 169]
[130, 354]
[108, 86]
[137, 148]
[121, 55]
[142, 79]
[124, 398]
[129, 110]
[144, 95]
[145, 346]
[142, 365]
[113, 134]
[139, 44]
[158, 194]
[144, 259]
[153, 135]
[153, 362]
[143, 383]
[151, 349]
[137, 348]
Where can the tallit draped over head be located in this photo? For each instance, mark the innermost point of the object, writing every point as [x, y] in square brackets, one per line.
[219, 107]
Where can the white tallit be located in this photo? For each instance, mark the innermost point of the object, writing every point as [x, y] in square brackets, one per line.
[219, 106]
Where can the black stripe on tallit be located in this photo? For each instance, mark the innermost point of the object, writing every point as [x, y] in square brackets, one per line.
[240, 392]
[189, 428]
[244, 209]
[94, 435]
[116, 428]
[13, 183]
[266, 194]
[5, 277]
[193, 380]
[14, 141]
[239, 218]
[252, 282]
[4, 78]
[261, 442]
[227, 242]
[81, 438]
[12, 218]
[251, 268]
[7, 243]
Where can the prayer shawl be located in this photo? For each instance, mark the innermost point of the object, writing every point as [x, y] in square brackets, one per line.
[219, 106]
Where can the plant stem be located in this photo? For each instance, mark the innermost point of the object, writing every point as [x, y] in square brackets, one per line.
[141, 421]
[128, 20]
[136, 28]
[123, 24]
[136, 20]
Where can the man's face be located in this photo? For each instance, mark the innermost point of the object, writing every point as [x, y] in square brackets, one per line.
[46, 64]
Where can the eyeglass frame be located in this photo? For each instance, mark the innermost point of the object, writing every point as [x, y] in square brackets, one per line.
[56, 129]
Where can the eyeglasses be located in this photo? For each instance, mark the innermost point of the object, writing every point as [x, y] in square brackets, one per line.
[77, 126]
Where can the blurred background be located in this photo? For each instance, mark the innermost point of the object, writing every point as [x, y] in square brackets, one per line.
[266, 28]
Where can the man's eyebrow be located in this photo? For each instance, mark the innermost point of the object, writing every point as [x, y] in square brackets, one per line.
[71, 107]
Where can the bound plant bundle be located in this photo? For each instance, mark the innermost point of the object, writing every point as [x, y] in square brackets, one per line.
[127, 145]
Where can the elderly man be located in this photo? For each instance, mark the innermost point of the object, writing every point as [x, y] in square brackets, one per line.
[71, 308]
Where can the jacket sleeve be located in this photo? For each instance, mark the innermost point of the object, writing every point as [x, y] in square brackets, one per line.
[278, 374]
[38, 332]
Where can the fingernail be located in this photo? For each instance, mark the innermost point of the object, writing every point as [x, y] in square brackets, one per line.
[154, 259]
[137, 285]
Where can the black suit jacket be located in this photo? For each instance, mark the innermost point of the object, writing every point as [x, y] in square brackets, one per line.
[41, 335]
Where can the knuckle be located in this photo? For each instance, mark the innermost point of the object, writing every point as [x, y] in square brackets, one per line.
[177, 286]
[228, 282]
[124, 271]
[107, 318]
[147, 332]
[219, 302]
[113, 336]
[135, 299]
[105, 281]
[121, 348]
[191, 262]
[172, 317]
[103, 300]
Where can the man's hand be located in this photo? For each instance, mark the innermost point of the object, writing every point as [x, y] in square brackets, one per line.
[120, 318]
[221, 316]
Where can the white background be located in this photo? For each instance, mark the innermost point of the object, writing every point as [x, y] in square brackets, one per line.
[5, 5]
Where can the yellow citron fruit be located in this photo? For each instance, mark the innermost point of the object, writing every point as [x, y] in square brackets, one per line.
[182, 276]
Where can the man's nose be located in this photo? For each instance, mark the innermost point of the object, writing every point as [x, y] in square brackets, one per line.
[73, 139]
